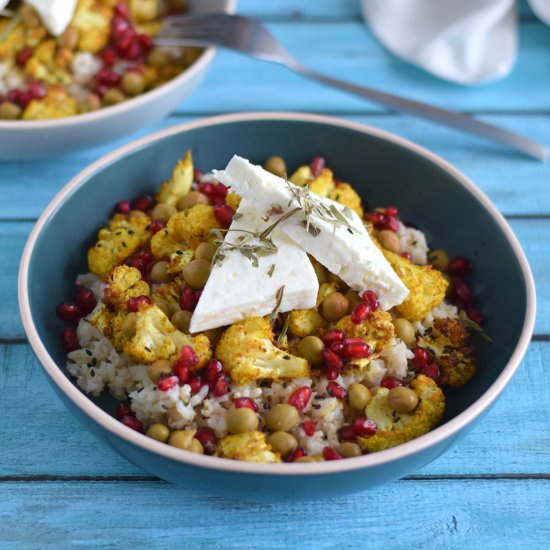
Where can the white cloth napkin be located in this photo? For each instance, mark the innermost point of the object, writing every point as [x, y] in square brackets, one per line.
[465, 41]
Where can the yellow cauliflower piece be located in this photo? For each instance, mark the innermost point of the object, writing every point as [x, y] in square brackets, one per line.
[144, 10]
[124, 282]
[185, 230]
[13, 42]
[178, 260]
[248, 353]
[92, 20]
[323, 184]
[43, 66]
[248, 446]
[301, 176]
[302, 322]
[101, 319]
[157, 338]
[345, 194]
[179, 184]
[233, 200]
[377, 330]
[167, 294]
[117, 242]
[394, 428]
[427, 286]
[57, 103]
[110, 324]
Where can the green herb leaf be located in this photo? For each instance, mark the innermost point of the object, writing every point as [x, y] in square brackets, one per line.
[473, 325]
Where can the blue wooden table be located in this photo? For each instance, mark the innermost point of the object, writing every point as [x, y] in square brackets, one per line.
[59, 487]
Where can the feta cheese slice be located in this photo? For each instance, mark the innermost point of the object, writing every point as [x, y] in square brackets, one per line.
[344, 249]
[55, 14]
[236, 289]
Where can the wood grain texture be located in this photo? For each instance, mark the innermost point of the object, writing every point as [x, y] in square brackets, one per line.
[407, 514]
[513, 438]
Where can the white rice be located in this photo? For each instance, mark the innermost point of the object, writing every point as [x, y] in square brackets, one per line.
[442, 311]
[84, 66]
[413, 241]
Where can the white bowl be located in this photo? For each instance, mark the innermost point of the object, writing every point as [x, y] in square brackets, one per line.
[44, 138]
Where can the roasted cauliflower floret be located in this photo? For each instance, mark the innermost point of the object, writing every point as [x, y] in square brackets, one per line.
[144, 10]
[179, 184]
[248, 353]
[185, 230]
[110, 323]
[101, 319]
[323, 184]
[302, 322]
[117, 242]
[447, 341]
[233, 200]
[248, 446]
[156, 338]
[377, 330]
[123, 283]
[344, 194]
[43, 64]
[178, 260]
[57, 103]
[393, 428]
[427, 286]
[92, 20]
[302, 176]
[167, 296]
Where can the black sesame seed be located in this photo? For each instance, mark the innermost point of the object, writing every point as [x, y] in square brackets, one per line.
[118, 233]
[285, 385]
[286, 357]
[316, 406]
[88, 352]
[317, 396]
[130, 231]
[179, 252]
[266, 406]
[147, 349]
[94, 361]
[123, 244]
[92, 373]
[350, 231]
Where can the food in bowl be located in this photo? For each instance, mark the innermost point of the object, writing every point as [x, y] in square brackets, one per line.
[251, 317]
[59, 61]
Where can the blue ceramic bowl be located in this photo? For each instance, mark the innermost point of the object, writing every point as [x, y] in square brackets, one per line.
[387, 170]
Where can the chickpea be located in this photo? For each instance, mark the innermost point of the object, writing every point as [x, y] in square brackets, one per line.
[158, 431]
[311, 348]
[69, 39]
[349, 450]
[276, 165]
[159, 273]
[182, 439]
[163, 212]
[306, 459]
[405, 331]
[282, 442]
[334, 306]
[402, 400]
[213, 335]
[353, 299]
[158, 57]
[241, 420]
[10, 111]
[281, 417]
[439, 259]
[205, 251]
[195, 446]
[137, 214]
[181, 320]
[389, 240]
[128, 326]
[191, 199]
[159, 367]
[196, 273]
[132, 83]
[90, 103]
[358, 396]
[113, 96]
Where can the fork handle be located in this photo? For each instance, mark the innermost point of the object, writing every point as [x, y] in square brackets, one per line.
[442, 116]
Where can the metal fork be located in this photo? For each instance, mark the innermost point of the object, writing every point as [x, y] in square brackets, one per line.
[248, 36]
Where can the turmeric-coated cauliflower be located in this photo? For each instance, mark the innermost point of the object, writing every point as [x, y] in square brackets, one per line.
[427, 286]
[248, 446]
[302, 176]
[156, 338]
[345, 194]
[377, 330]
[447, 341]
[302, 322]
[92, 20]
[43, 65]
[185, 230]
[394, 428]
[179, 184]
[248, 353]
[117, 242]
[57, 103]
[233, 200]
[124, 282]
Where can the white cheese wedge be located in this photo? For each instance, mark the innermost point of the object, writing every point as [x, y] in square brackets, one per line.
[345, 251]
[237, 290]
[55, 14]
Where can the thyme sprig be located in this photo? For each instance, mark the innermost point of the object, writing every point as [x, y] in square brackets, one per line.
[278, 301]
[284, 330]
[473, 325]
[251, 250]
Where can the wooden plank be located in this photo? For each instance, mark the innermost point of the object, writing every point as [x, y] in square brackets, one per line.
[509, 179]
[447, 515]
[512, 438]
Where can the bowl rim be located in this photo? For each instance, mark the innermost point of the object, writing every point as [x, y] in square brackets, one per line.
[139, 102]
[422, 443]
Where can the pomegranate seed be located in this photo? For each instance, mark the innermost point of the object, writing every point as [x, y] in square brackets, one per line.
[337, 347]
[69, 339]
[143, 266]
[335, 390]
[360, 313]
[155, 226]
[224, 214]
[85, 300]
[391, 211]
[332, 336]
[221, 190]
[197, 175]
[68, 311]
[188, 299]
[297, 453]
[220, 387]
[145, 41]
[101, 90]
[309, 427]
[167, 382]
[347, 433]
[432, 370]
[462, 292]
[135, 303]
[217, 201]
[406, 255]
[331, 374]
[391, 224]
[377, 218]
[421, 356]
[107, 77]
[208, 440]
[181, 370]
[317, 164]
[119, 25]
[122, 10]
[331, 454]
[363, 426]
[245, 402]
[371, 298]
[23, 56]
[213, 370]
[133, 423]
[196, 384]
[108, 56]
[475, 315]
[332, 360]
[356, 348]
[146, 256]
[20, 97]
[390, 382]
[122, 410]
[300, 397]
[37, 90]
[207, 188]
[143, 203]
[460, 266]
